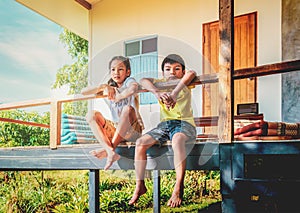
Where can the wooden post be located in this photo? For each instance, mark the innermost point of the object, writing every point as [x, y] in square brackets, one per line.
[55, 124]
[226, 69]
[94, 201]
[156, 191]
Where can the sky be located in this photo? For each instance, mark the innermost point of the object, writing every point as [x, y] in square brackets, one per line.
[30, 53]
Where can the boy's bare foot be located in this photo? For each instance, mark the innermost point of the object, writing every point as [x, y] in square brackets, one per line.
[111, 159]
[175, 200]
[139, 191]
[99, 153]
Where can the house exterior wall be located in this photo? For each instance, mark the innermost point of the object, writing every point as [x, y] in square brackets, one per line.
[178, 25]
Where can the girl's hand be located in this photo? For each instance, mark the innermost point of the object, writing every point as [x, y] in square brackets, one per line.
[110, 92]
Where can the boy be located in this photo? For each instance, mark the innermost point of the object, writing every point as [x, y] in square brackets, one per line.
[177, 124]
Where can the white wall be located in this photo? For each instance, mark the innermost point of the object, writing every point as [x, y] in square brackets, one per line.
[268, 51]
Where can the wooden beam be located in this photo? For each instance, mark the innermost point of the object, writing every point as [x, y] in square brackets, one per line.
[94, 200]
[89, 92]
[268, 69]
[77, 157]
[198, 80]
[55, 124]
[156, 191]
[24, 122]
[85, 4]
[24, 104]
[226, 69]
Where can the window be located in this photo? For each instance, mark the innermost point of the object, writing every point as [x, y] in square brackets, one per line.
[143, 57]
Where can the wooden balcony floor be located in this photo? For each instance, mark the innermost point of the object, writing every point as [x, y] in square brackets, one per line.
[77, 157]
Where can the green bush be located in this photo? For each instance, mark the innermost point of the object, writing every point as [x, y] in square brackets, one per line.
[67, 191]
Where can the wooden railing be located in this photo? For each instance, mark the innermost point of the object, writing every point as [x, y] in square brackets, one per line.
[56, 104]
[55, 113]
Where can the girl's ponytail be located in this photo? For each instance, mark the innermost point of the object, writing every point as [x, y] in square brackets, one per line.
[112, 83]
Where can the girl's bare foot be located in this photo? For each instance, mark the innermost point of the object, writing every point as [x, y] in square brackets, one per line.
[111, 159]
[99, 153]
[139, 191]
[175, 200]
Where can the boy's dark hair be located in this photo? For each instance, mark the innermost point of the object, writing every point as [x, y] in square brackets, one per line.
[171, 59]
[126, 62]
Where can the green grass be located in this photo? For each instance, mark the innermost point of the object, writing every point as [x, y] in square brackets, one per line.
[67, 191]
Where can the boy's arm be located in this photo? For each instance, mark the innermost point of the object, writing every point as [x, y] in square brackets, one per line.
[184, 81]
[171, 98]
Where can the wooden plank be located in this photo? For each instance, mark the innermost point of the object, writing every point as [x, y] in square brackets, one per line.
[85, 4]
[268, 69]
[213, 120]
[24, 122]
[55, 124]
[94, 200]
[198, 80]
[200, 156]
[156, 191]
[202, 79]
[47, 101]
[226, 69]
[24, 104]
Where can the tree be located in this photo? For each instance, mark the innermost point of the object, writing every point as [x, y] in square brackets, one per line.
[12, 134]
[75, 76]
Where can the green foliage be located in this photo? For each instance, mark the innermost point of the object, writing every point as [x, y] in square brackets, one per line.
[43, 191]
[76, 45]
[12, 134]
[67, 191]
[75, 76]
[115, 193]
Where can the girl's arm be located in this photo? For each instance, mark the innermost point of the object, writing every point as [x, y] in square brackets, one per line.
[91, 90]
[162, 96]
[147, 83]
[105, 89]
[130, 90]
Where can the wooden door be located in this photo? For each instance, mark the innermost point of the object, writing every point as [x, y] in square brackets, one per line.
[244, 56]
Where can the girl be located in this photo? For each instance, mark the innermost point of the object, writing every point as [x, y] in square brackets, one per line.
[124, 106]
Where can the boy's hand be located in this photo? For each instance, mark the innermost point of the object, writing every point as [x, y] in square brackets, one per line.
[173, 101]
[167, 99]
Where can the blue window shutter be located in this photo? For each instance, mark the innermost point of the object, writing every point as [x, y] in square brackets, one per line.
[135, 64]
[145, 66]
